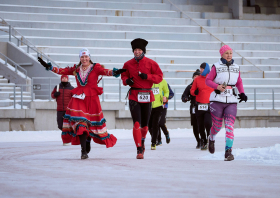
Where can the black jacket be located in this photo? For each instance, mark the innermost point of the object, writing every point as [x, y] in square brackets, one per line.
[186, 96]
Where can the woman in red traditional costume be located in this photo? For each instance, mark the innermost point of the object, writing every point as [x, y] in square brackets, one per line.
[141, 73]
[84, 117]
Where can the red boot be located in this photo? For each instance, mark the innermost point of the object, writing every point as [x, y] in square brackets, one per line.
[137, 139]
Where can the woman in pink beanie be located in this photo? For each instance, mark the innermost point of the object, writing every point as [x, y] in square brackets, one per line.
[224, 78]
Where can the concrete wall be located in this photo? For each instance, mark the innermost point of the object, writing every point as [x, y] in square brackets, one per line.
[3, 48]
[18, 120]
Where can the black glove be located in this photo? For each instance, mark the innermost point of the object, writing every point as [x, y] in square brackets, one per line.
[119, 71]
[242, 97]
[46, 65]
[56, 94]
[196, 92]
[129, 81]
[143, 76]
[184, 99]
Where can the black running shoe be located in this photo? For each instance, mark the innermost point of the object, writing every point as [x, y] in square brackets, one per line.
[159, 143]
[84, 156]
[228, 155]
[167, 139]
[198, 145]
[211, 145]
[140, 153]
[203, 146]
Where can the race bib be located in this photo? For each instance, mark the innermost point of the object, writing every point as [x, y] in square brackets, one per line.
[227, 92]
[202, 107]
[156, 90]
[144, 97]
[81, 96]
[193, 110]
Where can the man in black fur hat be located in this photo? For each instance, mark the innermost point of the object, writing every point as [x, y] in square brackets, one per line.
[141, 73]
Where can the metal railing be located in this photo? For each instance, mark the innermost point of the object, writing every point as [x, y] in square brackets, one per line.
[50, 85]
[120, 92]
[202, 28]
[21, 40]
[14, 64]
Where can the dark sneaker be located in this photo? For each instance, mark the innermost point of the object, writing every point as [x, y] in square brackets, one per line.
[198, 145]
[203, 146]
[211, 145]
[167, 139]
[228, 155]
[140, 153]
[159, 143]
[153, 147]
[84, 156]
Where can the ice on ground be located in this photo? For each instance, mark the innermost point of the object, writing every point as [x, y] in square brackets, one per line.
[268, 155]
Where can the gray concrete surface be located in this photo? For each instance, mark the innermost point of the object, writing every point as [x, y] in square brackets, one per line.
[47, 169]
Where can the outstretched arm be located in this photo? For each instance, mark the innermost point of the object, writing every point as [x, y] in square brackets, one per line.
[109, 72]
[61, 71]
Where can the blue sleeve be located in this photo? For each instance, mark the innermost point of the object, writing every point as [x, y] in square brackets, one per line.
[171, 93]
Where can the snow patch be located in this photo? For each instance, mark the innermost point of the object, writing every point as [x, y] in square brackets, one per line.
[267, 155]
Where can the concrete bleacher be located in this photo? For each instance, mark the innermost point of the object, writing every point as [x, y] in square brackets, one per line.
[61, 28]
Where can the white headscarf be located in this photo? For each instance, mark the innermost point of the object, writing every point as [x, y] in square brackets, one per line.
[83, 52]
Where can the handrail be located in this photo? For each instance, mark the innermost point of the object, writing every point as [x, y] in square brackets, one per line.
[26, 42]
[212, 34]
[174, 100]
[16, 65]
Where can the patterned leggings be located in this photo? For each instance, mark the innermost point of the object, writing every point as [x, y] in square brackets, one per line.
[218, 112]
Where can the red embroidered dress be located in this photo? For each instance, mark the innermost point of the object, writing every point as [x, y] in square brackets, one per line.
[85, 115]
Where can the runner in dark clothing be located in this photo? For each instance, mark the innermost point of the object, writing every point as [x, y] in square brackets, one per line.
[188, 97]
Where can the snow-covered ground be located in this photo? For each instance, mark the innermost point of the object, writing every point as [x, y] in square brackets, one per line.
[35, 164]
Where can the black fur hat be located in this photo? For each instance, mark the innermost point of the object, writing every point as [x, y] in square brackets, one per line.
[139, 43]
[197, 72]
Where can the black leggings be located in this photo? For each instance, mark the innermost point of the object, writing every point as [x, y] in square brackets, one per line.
[154, 123]
[195, 127]
[204, 121]
[140, 112]
[60, 118]
[162, 124]
[83, 139]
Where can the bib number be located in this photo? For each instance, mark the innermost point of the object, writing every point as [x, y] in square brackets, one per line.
[144, 97]
[202, 107]
[156, 90]
[227, 92]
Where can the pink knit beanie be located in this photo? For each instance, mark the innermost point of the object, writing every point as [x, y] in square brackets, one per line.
[224, 49]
